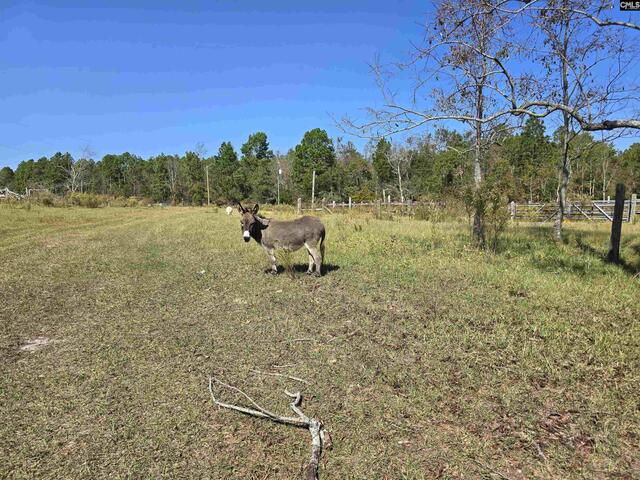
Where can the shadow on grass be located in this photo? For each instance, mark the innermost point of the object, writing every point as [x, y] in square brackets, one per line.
[302, 268]
[326, 268]
[536, 242]
[631, 267]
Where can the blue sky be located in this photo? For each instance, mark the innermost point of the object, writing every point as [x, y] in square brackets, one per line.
[151, 77]
[161, 76]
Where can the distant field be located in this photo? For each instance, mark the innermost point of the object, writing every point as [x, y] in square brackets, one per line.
[426, 358]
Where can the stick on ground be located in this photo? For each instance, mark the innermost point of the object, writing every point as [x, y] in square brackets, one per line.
[273, 374]
[315, 427]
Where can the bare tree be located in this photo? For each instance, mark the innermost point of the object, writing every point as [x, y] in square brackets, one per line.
[466, 52]
[587, 68]
[173, 175]
[78, 170]
[201, 150]
[400, 161]
[471, 51]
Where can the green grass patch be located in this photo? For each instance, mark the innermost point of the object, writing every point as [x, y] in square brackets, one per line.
[426, 357]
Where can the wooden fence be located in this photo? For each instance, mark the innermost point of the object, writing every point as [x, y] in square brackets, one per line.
[330, 207]
[6, 193]
[585, 210]
[531, 212]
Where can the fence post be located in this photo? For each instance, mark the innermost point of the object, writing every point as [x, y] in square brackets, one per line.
[206, 169]
[384, 196]
[633, 208]
[334, 204]
[313, 190]
[299, 205]
[349, 203]
[616, 225]
[512, 209]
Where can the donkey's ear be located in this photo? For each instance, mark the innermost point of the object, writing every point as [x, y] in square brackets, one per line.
[240, 208]
[256, 207]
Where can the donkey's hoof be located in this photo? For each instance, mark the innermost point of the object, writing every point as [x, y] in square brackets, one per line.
[316, 274]
[309, 272]
[270, 271]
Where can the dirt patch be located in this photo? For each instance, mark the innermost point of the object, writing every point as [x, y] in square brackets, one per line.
[35, 344]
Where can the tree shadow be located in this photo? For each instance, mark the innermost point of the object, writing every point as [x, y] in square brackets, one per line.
[537, 244]
[525, 239]
[632, 268]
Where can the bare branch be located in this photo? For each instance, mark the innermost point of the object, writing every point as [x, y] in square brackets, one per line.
[529, 5]
[273, 374]
[319, 436]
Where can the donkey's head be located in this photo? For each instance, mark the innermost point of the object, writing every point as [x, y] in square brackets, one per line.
[250, 223]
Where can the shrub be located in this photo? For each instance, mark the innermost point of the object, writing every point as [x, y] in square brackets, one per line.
[365, 194]
[490, 203]
[88, 200]
[430, 212]
[46, 200]
[118, 202]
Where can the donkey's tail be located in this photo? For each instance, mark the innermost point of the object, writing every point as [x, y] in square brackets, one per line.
[322, 246]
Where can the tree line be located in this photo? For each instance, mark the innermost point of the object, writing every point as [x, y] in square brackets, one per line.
[521, 167]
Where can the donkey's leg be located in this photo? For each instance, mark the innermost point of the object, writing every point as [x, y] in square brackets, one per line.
[272, 259]
[311, 262]
[317, 259]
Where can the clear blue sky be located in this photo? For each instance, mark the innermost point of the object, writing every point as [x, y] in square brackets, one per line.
[160, 76]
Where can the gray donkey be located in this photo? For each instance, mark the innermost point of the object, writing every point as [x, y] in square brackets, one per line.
[286, 235]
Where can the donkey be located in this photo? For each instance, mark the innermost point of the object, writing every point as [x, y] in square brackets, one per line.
[286, 235]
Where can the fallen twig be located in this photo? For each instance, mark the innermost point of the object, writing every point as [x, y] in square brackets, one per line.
[273, 374]
[540, 452]
[345, 336]
[315, 427]
[284, 366]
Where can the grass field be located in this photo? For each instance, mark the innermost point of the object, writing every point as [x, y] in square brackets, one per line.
[425, 357]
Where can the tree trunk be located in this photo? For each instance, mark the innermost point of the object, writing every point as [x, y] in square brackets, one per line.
[565, 172]
[478, 214]
[400, 184]
[604, 180]
[565, 168]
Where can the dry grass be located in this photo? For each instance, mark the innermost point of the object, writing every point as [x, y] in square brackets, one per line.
[425, 357]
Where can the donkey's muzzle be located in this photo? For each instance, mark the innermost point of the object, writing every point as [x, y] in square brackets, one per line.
[246, 236]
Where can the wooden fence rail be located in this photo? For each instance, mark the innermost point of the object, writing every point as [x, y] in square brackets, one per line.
[532, 212]
[596, 210]
[408, 206]
[6, 193]
[585, 210]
